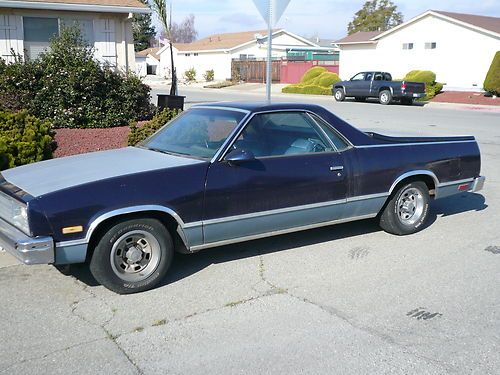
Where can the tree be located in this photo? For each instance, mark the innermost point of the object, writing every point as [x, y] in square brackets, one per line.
[165, 17]
[376, 15]
[144, 32]
[185, 31]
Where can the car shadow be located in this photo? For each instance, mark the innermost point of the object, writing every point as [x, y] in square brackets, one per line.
[185, 265]
[374, 101]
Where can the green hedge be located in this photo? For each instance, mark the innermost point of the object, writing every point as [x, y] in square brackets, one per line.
[24, 139]
[140, 133]
[492, 80]
[73, 90]
[316, 81]
[432, 88]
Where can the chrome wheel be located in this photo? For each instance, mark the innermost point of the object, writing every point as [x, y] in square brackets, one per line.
[338, 95]
[384, 98]
[135, 256]
[410, 206]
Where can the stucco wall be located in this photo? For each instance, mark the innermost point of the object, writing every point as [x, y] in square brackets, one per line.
[461, 58]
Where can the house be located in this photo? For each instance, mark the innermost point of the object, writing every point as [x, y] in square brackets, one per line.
[147, 62]
[218, 51]
[26, 27]
[457, 47]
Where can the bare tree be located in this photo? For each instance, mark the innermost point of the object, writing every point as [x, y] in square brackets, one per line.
[185, 31]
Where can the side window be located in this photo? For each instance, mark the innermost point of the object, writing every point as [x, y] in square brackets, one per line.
[337, 140]
[282, 133]
[378, 77]
[358, 77]
[387, 77]
[368, 77]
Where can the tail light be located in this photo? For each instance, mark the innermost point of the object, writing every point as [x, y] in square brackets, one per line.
[403, 86]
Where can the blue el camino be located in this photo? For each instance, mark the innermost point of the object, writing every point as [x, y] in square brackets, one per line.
[219, 174]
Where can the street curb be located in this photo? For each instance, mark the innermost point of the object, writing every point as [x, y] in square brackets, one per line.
[464, 106]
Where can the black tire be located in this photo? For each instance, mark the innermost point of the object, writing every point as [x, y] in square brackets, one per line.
[392, 218]
[407, 101]
[339, 94]
[385, 97]
[141, 237]
[360, 98]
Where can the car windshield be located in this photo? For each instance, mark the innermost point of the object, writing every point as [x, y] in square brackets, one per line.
[198, 132]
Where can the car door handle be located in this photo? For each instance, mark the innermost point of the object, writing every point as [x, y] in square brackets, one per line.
[337, 168]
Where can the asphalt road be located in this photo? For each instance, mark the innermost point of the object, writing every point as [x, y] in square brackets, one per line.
[346, 299]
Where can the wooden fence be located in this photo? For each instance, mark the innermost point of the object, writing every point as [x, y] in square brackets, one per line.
[254, 71]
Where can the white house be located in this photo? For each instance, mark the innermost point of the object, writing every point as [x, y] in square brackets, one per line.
[147, 62]
[217, 51]
[26, 27]
[457, 47]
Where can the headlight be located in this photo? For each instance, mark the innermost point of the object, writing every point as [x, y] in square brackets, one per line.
[14, 212]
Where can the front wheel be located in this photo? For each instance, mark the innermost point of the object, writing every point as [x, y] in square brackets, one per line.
[339, 94]
[407, 210]
[132, 256]
[385, 97]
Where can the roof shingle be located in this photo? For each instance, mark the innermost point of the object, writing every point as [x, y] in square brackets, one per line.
[118, 3]
[484, 22]
[359, 37]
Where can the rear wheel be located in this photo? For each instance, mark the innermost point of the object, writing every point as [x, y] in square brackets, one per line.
[407, 210]
[339, 94]
[132, 256]
[385, 97]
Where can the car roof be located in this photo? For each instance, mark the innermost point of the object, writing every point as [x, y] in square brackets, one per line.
[262, 106]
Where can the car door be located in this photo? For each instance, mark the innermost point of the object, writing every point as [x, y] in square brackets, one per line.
[355, 84]
[378, 78]
[296, 179]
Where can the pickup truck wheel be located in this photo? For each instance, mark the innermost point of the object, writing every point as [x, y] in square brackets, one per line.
[339, 95]
[132, 256]
[385, 97]
[407, 210]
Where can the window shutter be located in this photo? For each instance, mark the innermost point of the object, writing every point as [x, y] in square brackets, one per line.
[10, 36]
[105, 41]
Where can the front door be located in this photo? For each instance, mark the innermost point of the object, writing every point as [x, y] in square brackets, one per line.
[296, 179]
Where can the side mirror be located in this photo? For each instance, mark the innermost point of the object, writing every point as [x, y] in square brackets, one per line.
[239, 156]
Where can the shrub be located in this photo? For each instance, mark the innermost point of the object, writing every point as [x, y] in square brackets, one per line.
[492, 80]
[24, 139]
[190, 74]
[316, 81]
[140, 133]
[209, 75]
[312, 73]
[70, 88]
[432, 88]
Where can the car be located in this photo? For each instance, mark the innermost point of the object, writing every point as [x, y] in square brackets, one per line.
[379, 85]
[220, 174]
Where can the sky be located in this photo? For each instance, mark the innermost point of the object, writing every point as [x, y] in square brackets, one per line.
[327, 19]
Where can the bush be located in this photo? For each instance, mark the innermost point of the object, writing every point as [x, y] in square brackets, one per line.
[209, 75]
[24, 139]
[316, 81]
[140, 133]
[70, 88]
[432, 88]
[492, 80]
[190, 74]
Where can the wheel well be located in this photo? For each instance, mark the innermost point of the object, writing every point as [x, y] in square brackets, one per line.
[168, 221]
[429, 181]
[338, 87]
[384, 88]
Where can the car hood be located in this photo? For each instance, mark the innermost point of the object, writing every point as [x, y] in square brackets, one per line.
[52, 175]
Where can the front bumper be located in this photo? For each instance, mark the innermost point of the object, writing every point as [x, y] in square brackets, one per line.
[28, 250]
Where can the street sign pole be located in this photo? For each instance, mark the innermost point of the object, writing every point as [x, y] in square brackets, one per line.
[269, 51]
[271, 11]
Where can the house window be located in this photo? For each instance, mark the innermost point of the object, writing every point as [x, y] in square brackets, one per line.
[37, 34]
[187, 54]
[195, 54]
[430, 45]
[86, 27]
[407, 45]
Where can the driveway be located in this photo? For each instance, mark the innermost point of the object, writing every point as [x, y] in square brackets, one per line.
[345, 299]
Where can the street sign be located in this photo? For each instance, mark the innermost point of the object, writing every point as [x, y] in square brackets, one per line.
[271, 11]
[277, 8]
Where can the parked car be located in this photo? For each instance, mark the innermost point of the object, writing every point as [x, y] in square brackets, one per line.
[220, 174]
[378, 85]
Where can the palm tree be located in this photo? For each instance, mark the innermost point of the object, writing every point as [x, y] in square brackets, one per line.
[165, 16]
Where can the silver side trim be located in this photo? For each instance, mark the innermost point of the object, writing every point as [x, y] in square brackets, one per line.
[412, 144]
[414, 173]
[365, 197]
[276, 233]
[123, 211]
[455, 182]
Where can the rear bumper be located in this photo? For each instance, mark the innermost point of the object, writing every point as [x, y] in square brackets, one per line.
[414, 95]
[478, 183]
[28, 250]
